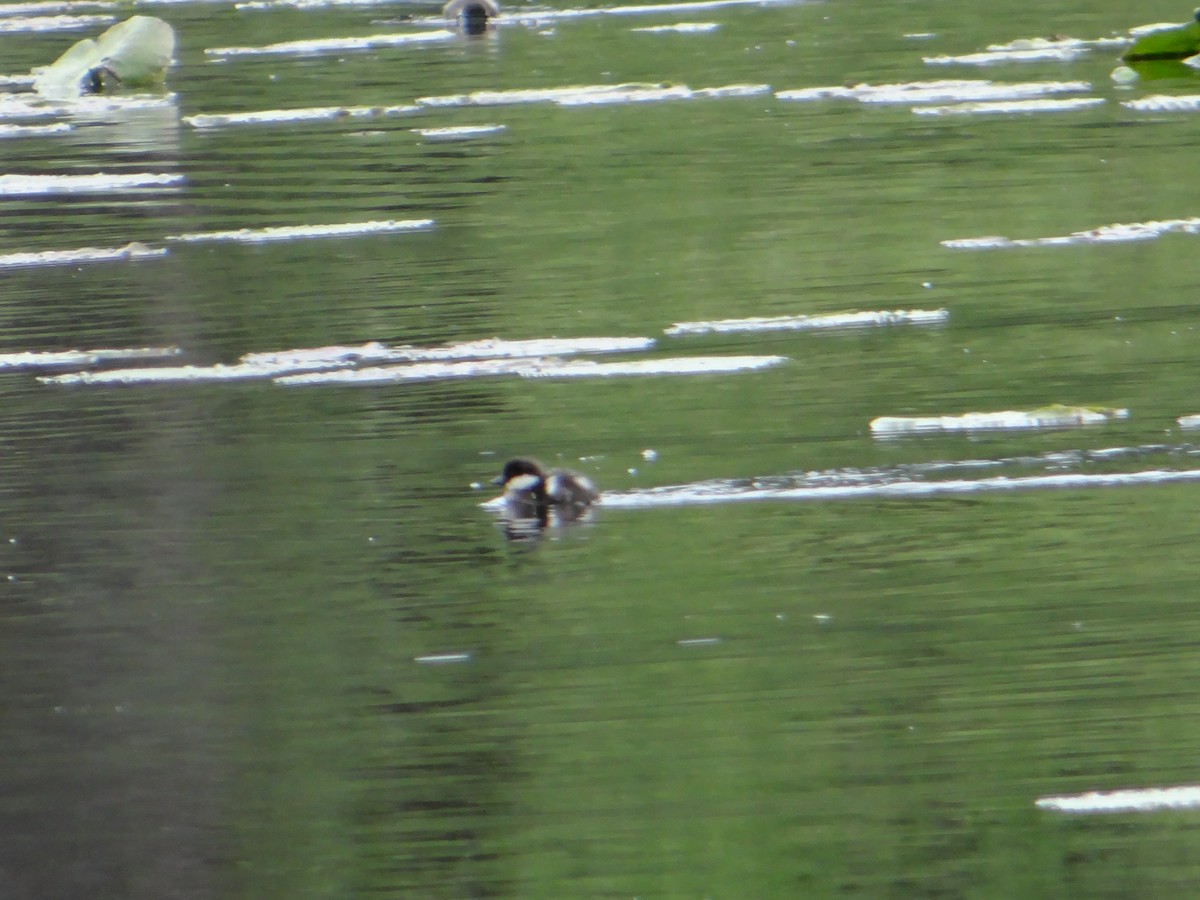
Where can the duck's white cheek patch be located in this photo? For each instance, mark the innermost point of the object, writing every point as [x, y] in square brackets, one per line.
[522, 483]
[554, 486]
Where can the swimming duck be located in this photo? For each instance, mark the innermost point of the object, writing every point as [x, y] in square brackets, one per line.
[532, 492]
[471, 15]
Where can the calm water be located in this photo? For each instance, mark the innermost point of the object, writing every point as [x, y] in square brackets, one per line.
[262, 642]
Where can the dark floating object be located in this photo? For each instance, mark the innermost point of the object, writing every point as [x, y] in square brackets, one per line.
[471, 15]
[1167, 43]
[531, 493]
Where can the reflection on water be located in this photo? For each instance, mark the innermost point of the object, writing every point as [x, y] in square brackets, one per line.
[265, 643]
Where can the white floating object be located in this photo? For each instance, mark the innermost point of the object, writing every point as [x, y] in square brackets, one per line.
[137, 52]
[1133, 800]
[82, 255]
[680, 28]
[1192, 421]
[285, 116]
[27, 185]
[335, 45]
[698, 642]
[299, 232]
[458, 132]
[1046, 417]
[814, 323]
[1009, 107]
[649, 455]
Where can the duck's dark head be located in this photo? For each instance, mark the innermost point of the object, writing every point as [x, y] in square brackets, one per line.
[515, 468]
[472, 15]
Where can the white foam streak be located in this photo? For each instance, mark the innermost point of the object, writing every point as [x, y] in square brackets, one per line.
[732, 492]
[677, 92]
[18, 24]
[1009, 107]
[1106, 234]
[688, 365]
[59, 358]
[1132, 800]
[942, 91]
[585, 95]
[540, 367]
[16, 131]
[680, 28]
[46, 7]
[836, 321]
[458, 132]
[300, 232]
[82, 255]
[646, 9]
[993, 57]
[26, 185]
[1048, 417]
[462, 360]
[1164, 103]
[491, 348]
[285, 116]
[329, 45]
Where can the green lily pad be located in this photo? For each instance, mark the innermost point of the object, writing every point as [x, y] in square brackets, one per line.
[134, 53]
[1167, 43]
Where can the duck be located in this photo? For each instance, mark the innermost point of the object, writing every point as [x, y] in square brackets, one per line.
[471, 15]
[531, 492]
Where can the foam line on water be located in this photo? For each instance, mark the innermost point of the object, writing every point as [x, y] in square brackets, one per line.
[1124, 801]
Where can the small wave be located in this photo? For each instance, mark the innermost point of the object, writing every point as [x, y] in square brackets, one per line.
[836, 321]
[584, 95]
[942, 91]
[82, 255]
[1163, 103]
[458, 132]
[330, 45]
[1106, 234]
[1047, 417]
[300, 232]
[55, 359]
[1055, 53]
[1009, 107]
[680, 28]
[1132, 800]
[284, 116]
[740, 492]
[536, 367]
[52, 6]
[491, 348]
[461, 360]
[25, 185]
[17, 24]
[16, 131]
